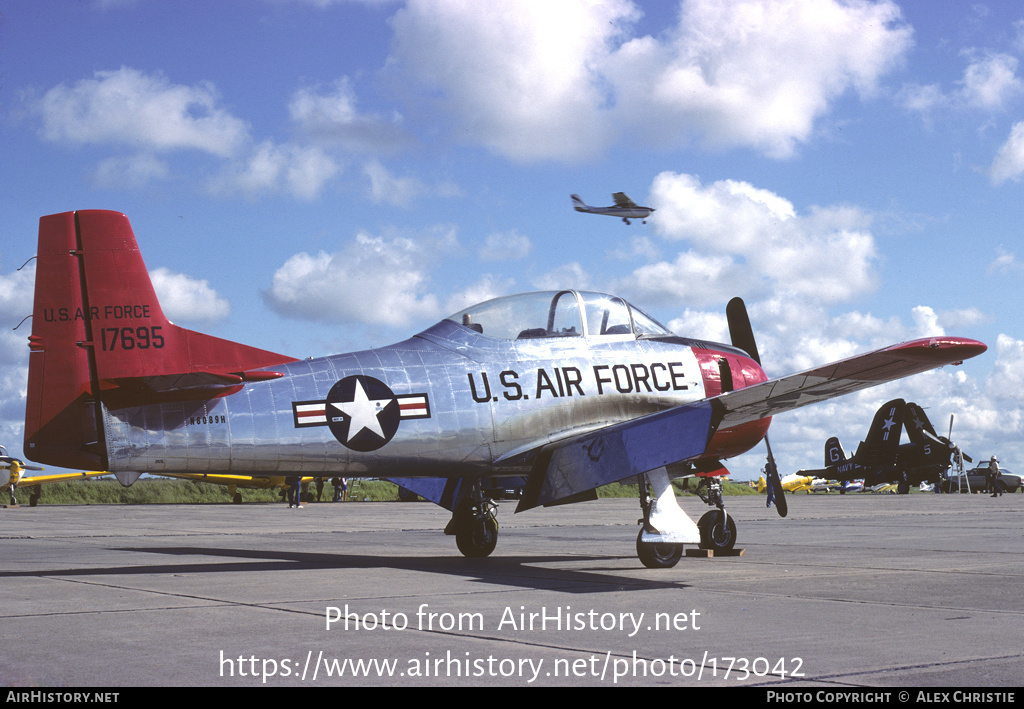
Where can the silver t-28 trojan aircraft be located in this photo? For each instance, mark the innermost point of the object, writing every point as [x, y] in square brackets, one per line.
[564, 391]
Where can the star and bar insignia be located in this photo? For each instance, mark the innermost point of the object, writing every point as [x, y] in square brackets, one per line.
[361, 411]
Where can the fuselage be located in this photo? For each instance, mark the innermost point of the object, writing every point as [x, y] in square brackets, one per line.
[450, 401]
[624, 212]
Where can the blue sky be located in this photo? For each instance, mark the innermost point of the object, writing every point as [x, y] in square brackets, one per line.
[318, 176]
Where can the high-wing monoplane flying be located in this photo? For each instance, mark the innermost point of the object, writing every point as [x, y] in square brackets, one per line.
[12, 477]
[624, 208]
[563, 390]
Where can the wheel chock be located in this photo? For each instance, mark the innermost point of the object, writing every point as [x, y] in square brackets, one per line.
[709, 553]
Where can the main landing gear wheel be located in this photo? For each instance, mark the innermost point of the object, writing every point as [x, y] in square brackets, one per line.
[717, 531]
[476, 537]
[657, 555]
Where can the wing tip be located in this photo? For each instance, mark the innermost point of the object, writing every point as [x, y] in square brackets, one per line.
[942, 349]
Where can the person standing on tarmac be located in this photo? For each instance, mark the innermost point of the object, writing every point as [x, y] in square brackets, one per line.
[995, 476]
[295, 492]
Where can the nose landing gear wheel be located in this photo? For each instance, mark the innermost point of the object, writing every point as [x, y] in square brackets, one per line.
[657, 555]
[717, 531]
[477, 537]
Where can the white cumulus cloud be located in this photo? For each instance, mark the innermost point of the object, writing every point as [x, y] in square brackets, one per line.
[536, 80]
[753, 242]
[372, 280]
[302, 171]
[187, 299]
[1008, 163]
[128, 107]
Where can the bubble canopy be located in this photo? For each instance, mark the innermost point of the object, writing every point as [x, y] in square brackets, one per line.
[564, 313]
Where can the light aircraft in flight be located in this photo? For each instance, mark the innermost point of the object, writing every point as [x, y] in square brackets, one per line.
[563, 391]
[624, 207]
[12, 477]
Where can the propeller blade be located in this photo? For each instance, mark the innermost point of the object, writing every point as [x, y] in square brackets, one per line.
[742, 335]
[739, 328]
[11, 462]
[772, 474]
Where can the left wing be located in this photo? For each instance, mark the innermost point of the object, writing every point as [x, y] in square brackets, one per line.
[257, 482]
[37, 480]
[848, 375]
[577, 464]
[621, 200]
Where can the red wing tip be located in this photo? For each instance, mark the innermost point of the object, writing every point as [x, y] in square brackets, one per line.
[943, 348]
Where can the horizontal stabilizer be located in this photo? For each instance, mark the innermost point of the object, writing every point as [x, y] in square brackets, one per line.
[187, 386]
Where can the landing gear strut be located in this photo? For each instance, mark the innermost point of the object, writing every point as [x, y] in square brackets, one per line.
[665, 527]
[654, 555]
[717, 528]
[474, 524]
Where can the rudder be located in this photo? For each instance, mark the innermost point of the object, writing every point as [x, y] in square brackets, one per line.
[60, 412]
[834, 453]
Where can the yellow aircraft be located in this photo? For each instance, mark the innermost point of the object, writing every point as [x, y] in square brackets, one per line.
[790, 483]
[12, 477]
[886, 489]
[233, 482]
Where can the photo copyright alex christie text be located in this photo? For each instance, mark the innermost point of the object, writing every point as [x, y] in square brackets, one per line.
[521, 618]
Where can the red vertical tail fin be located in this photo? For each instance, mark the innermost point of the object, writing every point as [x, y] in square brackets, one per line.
[61, 421]
[100, 339]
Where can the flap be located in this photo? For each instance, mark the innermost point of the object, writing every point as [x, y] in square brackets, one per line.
[617, 452]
